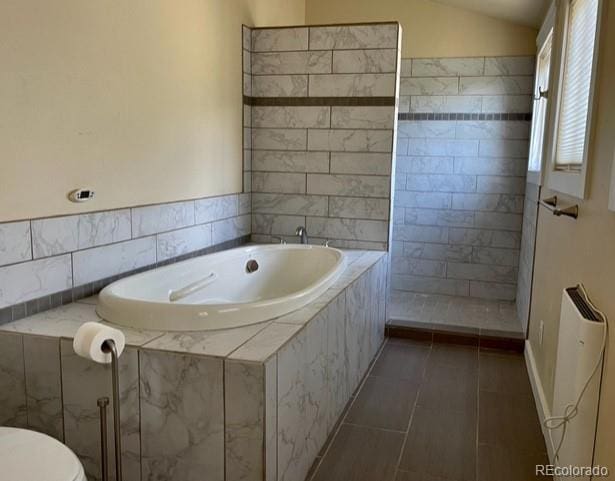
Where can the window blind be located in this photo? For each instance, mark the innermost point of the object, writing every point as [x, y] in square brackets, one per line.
[576, 83]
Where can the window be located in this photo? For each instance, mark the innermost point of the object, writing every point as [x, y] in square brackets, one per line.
[576, 83]
[543, 66]
[575, 88]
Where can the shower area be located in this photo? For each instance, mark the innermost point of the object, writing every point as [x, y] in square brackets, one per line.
[462, 246]
[425, 158]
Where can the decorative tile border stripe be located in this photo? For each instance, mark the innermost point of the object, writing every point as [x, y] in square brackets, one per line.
[319, 101]
[45, 303]
[464, 116]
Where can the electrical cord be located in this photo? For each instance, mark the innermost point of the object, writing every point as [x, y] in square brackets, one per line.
[571, 410]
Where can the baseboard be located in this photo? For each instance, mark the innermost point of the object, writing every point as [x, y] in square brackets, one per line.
[539, 397]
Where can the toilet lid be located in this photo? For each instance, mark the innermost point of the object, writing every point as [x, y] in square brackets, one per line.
[30, 456]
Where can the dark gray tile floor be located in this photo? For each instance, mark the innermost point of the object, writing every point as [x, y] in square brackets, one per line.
[438, 412]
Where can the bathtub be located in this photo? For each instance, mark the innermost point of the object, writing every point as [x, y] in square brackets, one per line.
[227, 289]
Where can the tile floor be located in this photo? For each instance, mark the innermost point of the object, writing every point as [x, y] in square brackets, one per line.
[460, 314]
[437, 412]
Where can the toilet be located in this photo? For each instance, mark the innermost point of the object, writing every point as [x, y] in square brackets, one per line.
[30, 456]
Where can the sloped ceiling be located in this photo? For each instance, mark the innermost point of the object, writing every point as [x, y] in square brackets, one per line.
[523, 12]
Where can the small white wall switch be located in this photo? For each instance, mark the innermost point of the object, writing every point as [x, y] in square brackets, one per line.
[541, 331]
[81, 195]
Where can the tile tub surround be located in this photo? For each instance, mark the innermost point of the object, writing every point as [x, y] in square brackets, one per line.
[257, 402]
[323, 115]
[460, 175]
[46, 263]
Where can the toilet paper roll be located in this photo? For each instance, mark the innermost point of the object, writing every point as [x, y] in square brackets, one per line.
[90, 338]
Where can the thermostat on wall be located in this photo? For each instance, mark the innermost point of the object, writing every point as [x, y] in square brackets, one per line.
[81, 195]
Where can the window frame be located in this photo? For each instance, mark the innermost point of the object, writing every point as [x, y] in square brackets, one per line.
[569, 181]
[545, 35]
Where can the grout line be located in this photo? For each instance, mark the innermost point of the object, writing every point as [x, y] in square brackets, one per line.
[276, 413]
[418, 393]
[477, 411]
[62, 394]
[72, 269]
[131, 227]
[139, 374]
[31, 239]
[224, 416]
[374, 428]
[25, 376]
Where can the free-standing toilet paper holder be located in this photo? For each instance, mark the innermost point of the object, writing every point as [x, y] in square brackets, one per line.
[109, 347]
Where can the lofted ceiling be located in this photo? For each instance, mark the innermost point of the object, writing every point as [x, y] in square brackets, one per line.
[523, 12]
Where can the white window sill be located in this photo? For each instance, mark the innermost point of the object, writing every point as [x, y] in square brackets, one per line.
[569, 183]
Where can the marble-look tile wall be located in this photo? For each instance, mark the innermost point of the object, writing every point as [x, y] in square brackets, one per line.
[323, 116]
[43, 385]
[31, 384]
[246, 57]
[45, 262]
[462, 153]
[282, 408]
[182, 417]
[526, 258]
[251, 403]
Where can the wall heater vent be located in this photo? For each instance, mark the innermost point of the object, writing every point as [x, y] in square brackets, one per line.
[581, 304]
[581, 332]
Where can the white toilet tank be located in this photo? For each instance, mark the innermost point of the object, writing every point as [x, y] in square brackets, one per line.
[53, 460]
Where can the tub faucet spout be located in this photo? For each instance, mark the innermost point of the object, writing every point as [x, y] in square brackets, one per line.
[301, 232]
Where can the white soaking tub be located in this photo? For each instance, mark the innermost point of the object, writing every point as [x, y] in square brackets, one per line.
[227, 289]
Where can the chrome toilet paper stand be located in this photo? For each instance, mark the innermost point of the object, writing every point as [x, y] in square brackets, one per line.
[109, 347]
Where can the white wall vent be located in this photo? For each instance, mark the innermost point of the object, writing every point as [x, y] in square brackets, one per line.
[580, 342]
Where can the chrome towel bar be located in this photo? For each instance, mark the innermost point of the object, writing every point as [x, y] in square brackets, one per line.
[550, 203]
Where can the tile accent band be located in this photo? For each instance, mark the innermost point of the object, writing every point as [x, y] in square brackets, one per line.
[378, 102]
[318, 101]
[464, 116]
